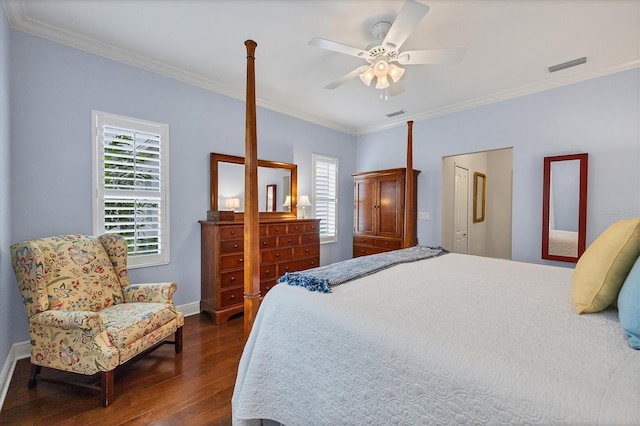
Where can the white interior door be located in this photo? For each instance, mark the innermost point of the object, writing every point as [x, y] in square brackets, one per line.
[461, 210]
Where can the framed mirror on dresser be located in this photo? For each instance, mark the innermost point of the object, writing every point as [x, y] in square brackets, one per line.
[287, 244]
[227, 183]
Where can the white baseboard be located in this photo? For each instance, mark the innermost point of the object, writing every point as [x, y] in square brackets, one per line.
[22, 350]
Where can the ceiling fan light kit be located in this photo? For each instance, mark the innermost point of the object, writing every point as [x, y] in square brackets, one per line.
[382, 54]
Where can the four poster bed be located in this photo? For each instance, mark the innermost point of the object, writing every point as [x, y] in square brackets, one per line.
[445, 339]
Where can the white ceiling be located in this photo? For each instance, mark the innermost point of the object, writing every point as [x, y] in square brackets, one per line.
[510, 44]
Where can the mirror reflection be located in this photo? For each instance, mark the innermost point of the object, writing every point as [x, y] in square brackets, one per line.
[277, 183]
[231, 186]
[564, 207]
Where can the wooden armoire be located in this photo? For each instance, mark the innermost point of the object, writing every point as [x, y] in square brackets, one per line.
[379, 211]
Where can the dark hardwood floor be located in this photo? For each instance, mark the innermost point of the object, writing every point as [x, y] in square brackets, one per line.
[161, 388]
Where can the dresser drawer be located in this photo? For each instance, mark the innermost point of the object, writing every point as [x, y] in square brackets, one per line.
[276, 255]
[277, 229]
[231, 261]
[359, 250]
[233, 278]
[364, 241]
[295, 228]
[231, 246]
[310, 238]
[267, 242]
[231, 232]
[269, 272]
[310, 227]
[389, 244]
[232, 296]
[306, 251]
[298, 265]
[288, 240]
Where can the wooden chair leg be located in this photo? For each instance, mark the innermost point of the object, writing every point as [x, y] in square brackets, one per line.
[106, 379]
[179, 340]
[33, 381]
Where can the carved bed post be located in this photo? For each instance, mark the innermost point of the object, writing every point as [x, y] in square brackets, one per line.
[251, 225]
[409, 194]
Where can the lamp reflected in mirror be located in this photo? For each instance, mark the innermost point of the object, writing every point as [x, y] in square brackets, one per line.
[232, 203]
[304, 203]
[287, 203]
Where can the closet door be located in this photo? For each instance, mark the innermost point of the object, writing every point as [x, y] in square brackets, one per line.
[390, 206]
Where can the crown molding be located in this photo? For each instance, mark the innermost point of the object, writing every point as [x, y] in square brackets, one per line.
[503, 96]
[19, 21]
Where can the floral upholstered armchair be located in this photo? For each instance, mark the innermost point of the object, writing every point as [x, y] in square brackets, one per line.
[84, 315]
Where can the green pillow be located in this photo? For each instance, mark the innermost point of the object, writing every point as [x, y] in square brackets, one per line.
[603, 267]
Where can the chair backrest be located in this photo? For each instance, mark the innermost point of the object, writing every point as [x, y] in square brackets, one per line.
[70, 272]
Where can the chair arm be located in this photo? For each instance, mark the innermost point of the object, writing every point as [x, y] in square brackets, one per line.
[72, 341]
[152, 293]
[70, 320]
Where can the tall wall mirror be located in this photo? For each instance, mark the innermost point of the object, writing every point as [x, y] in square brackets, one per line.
[564, 207]
[277, 183]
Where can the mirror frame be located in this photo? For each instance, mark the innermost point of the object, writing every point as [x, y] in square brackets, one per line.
[582, 205]
[216, 158]
[479, 201]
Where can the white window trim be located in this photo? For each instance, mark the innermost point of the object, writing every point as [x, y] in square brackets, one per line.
[98, 120]
[324, 158]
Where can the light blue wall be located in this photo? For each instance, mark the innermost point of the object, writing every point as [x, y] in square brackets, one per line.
[55, 87]
[598, 116]
[10, 302]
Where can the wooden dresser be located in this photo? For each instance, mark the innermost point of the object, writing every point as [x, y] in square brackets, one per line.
[285, 246]
[378, 222]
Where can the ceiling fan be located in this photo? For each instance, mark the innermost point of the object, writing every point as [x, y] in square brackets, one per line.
[383, 54]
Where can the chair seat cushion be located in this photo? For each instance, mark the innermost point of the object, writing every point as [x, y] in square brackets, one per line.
[128, 323]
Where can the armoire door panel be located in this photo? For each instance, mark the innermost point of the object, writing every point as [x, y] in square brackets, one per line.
[364, 206]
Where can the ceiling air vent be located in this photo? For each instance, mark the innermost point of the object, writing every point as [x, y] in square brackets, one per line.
[568, 64]
[395, 114]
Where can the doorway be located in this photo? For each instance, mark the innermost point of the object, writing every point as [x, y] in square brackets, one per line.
[490, 237]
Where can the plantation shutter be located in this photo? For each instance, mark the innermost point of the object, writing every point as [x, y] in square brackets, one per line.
[132, 189]
[326, 196]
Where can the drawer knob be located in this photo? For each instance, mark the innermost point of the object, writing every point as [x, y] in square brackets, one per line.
[277, 229]
[267, 288]
[267, 272]
[306, 250]
[277, 254]
[235, 246]
[233, 279]
[240, 260]
[289, 240]
[233, 232]
[264, 243]
[386, 243]
[313, 263]
[296, 228]
[286, 268]
[233, 296]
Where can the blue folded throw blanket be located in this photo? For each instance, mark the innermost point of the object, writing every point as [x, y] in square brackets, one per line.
[324, 277]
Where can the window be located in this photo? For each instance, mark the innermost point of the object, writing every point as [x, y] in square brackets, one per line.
[325, 193]
[130, 177]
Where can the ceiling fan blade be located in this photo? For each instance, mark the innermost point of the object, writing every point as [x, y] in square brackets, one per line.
[410, 14]
[337, 47]
[432, 56]
[353, 74]
[395, 89]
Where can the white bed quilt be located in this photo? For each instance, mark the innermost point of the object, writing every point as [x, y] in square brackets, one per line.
[452, 340]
